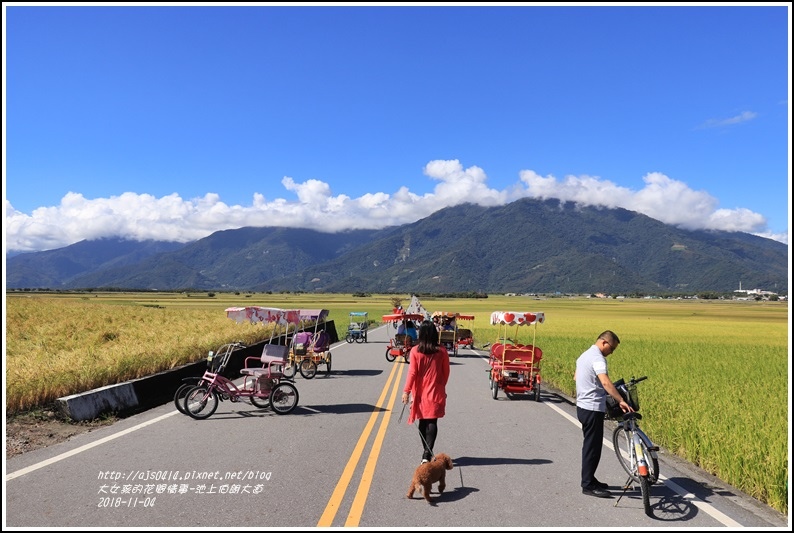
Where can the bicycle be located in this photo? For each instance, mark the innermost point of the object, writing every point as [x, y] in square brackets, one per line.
[214, 361]
[635, 451]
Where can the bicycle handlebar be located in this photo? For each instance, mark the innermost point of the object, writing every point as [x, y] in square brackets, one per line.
[637, 380]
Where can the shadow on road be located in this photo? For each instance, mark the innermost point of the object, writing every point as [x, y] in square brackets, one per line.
[488, 461]
[458, 493]
[666, 505]
[356, 372]
[302, 410]
[701, 491]
[673, 508]
[337, 409]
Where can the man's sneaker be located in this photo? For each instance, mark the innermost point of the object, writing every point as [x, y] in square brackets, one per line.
[597, 492]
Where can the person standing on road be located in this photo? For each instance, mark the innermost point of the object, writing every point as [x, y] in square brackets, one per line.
[428, 373]
[592, 386]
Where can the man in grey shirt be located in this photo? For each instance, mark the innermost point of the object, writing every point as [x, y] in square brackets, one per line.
[592, 386]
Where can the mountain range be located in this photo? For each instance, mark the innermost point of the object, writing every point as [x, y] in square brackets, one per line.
[528, 246]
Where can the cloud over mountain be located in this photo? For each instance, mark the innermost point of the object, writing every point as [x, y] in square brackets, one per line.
[141, 216]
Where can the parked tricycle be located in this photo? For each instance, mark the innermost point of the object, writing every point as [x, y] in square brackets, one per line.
[308, 349]
[515, 367]
[264, 383]
[357, 329]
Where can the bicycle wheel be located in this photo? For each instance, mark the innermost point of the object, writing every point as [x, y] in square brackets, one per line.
[260, 401]
[645, 490]
[284, 398]
[622, 442]
[360, 338]
[289, 370]
[349, 338]
[179, 396]
[308, 368]
[200, 402]
[389, 356]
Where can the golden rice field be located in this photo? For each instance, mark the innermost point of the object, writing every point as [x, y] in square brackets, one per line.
[717, 394]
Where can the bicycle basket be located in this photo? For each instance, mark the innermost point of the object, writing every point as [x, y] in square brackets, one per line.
[633, 397]
[629, 395]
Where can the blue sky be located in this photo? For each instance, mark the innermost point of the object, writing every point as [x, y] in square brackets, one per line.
[172, 122]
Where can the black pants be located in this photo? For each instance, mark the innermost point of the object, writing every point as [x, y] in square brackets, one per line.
[428, 429]
[593, 432]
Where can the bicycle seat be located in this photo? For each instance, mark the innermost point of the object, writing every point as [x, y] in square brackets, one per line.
[272, 354]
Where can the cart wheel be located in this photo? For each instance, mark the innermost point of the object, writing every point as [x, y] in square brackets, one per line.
[328, 365]
[389, 356]
[284, 398]
[349, 338]
[200, 402]
[537, 391]
[494, 388]
[289, 370]
[308, 368]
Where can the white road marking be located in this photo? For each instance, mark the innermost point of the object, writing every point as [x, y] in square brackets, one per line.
[65, 455]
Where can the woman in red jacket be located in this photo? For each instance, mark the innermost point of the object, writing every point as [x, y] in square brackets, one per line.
[428, 372]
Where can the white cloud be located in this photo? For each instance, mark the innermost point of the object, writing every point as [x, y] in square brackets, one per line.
[744, 116]
[142, 216]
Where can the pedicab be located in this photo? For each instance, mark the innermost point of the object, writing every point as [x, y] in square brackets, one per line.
[264, 383]
[515, 367]
[308, 349]
[465, 337]
[357, 329]
[449, 334]
[401, 343]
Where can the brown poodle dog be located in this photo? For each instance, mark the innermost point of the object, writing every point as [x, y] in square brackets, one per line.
[428, 473]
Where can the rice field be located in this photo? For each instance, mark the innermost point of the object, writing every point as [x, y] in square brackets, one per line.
[717, 392]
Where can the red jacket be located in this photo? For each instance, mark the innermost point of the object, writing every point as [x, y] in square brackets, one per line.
[427, 383]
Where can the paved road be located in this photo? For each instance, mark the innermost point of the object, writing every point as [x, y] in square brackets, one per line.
[343, 458]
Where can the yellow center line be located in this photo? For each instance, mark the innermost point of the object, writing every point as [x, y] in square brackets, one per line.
[354, 517]
[327, 518]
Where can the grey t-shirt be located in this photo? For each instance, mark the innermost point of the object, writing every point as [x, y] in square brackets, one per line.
[590, 394]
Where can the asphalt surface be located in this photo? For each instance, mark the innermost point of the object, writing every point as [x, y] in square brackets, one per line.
[345, 457]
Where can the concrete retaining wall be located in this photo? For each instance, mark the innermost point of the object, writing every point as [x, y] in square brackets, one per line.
[140, 394]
